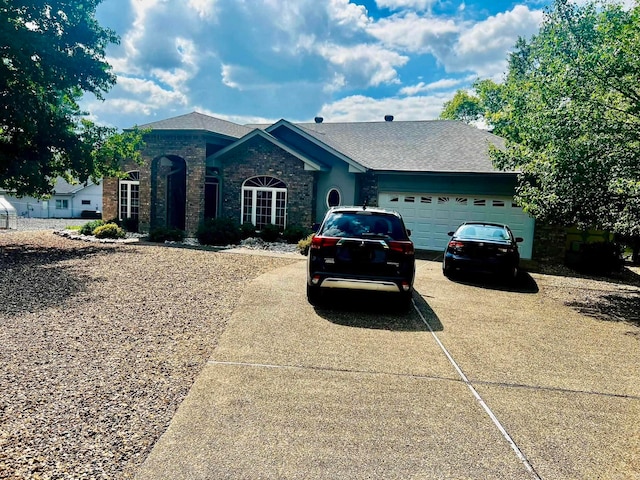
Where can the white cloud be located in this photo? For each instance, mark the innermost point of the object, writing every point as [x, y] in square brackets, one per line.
[443, 84]
[406, 4]
[206, 9]
[360, 108]
[480, 47]
[370, 64]
[227, 73]
[484, 47]
[337, 83]
[346, 13]
[292, 58]
[413, 33]
[239, 119]
[154, 95]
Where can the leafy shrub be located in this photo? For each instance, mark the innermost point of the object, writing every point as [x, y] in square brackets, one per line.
[109, 230]
[247, 230]
[599, 258]
[89, 227]
[218, 231]
[294, 233]
[129, 224]
[270, 233]
[305, 244]
[166, 234]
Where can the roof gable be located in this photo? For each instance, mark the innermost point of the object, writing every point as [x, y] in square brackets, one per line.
[309, 164]
[325, 143]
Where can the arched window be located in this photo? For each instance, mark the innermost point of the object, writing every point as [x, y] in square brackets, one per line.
[129, 197]
[264, 201]
[334, 199]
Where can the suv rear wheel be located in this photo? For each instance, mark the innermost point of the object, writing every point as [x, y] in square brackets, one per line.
[314, 295]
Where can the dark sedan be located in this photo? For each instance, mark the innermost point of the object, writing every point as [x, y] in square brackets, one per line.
[482, 248]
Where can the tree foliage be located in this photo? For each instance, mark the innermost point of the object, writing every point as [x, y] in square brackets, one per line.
[52, 52]
[464, 107]
[483, 106]
[570, 110]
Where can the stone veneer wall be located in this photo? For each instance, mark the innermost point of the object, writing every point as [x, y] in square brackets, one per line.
[367, 189]
[549, 244]
[258, 157]
[192, 149]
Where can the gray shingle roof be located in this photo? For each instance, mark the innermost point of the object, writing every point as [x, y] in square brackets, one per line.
[62, 187]
[419, 146]
[199, 121]
[412, 146]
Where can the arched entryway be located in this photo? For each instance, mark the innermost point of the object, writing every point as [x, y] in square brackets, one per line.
[170, 192]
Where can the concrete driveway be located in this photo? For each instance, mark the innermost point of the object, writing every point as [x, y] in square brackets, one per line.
[476, 382]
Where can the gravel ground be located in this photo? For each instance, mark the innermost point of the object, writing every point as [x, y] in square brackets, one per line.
[30, 224]
[100, 344]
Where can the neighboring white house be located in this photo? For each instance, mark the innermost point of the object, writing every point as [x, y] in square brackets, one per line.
[7, 214]
[67, 201]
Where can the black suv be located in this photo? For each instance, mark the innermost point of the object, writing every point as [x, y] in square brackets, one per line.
[361, 248]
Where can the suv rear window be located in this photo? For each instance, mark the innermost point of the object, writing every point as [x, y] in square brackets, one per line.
[363, 225]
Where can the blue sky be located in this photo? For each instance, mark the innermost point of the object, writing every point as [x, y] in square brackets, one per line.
[252, 61]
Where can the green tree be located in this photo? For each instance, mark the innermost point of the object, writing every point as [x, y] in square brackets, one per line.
[463, 106]
[51, 53]
[485, 105]
[571, 114]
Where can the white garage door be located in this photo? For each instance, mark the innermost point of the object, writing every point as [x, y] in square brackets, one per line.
[431, 216]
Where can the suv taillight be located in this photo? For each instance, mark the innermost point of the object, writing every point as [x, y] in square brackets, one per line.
[403, 247]
[318, 242]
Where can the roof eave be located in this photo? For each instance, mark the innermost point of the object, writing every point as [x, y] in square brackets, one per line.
[354, 167]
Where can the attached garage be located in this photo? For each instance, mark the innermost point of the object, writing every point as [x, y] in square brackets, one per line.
[430, 216]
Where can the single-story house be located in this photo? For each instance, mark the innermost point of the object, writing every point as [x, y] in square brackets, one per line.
[67, 201]
[435, 173]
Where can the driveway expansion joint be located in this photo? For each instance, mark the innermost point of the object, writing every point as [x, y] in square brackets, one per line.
[333, 369]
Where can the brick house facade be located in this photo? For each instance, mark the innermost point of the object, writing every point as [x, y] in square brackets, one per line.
[256, 157]
[435, 173]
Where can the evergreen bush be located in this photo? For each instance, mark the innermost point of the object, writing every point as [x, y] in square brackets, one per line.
[166, 234]
[218, 231]
[89, 227]
[247, 230]
[270, 233]
[295, 233]
[109, 230]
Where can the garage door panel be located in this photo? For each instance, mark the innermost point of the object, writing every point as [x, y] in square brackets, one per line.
[430, 216]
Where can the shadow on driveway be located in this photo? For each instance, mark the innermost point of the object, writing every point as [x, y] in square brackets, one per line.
[614, 307]
[376, 311]
[524, 283]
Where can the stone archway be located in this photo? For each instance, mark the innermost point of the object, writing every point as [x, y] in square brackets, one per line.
[169, 180]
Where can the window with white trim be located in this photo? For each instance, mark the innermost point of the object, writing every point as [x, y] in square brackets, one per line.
[264, 201]
[129, 197]
[62, 204]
